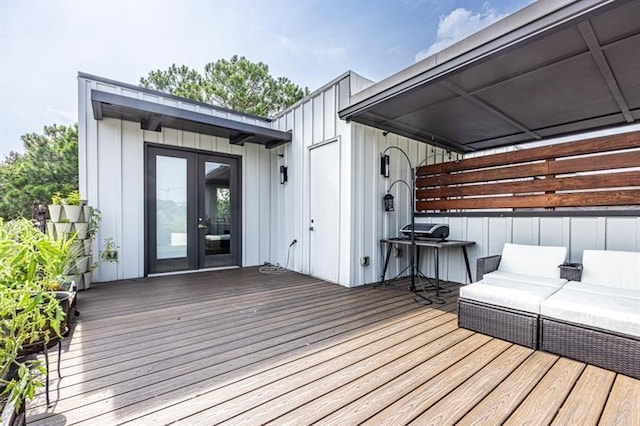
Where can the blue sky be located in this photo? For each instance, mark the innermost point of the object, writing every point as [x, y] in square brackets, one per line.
[43, 44]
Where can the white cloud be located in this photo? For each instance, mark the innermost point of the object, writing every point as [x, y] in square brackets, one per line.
[458, 24]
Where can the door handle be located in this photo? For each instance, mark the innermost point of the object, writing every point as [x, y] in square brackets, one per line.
[201, 226]
[311, 228]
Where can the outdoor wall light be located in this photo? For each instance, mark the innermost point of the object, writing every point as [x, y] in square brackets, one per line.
[284, 176]
[388, 202]
[384, 165]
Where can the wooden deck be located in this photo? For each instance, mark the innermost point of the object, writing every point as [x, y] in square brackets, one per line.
[241, 347]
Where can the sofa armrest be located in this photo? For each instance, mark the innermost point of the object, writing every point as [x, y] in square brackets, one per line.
[484, 265]
[571, 271]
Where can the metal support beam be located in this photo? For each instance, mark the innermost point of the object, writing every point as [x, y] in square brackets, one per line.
[240, 139]
[589, 36]
[152, 123]
[482, 104]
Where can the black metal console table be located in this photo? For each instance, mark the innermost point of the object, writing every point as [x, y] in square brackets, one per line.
[434, 244]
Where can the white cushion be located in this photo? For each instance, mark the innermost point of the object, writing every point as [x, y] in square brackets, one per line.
[602, 290]
[541, 261]
[619, 269]
[614, 313]
[508, 294]
[498, 276]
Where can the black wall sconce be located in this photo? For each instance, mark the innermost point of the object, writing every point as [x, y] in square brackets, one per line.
[388, 202]
[384, 165]
[284, 176]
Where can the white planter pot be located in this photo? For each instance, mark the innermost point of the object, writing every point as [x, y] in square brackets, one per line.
[55, 212]
[87, 246]
[62, 228]
[81, 228]
[77, 281]
[51, 229]
[82, 264]
[86, 213]
[77, 248]
[87, 280]
[72, 212]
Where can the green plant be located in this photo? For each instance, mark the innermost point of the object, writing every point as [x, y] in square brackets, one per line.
[56, 198]
[65, 221]
[30, 262]
[94, 223]
[110, 250]
[73, 199]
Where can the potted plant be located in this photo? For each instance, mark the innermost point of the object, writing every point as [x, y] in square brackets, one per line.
[55, 208]
[72, 206]
[29, 311]
[110, 250]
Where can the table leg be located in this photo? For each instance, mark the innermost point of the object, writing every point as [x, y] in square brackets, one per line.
[466, 262]
[437, 273]
[386, 262]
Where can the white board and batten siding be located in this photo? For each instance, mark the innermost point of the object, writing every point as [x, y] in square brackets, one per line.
[111, 175]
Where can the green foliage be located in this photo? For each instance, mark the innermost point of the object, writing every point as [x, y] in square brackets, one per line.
[56, 198]
[237, 83]
[73, 199]
[48, 165]
[30, 261]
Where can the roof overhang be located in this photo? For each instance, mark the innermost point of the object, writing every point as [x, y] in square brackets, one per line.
[550, 69]
[153, 116]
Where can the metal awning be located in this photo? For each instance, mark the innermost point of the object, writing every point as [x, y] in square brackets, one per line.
[153, 116]
[552, 68]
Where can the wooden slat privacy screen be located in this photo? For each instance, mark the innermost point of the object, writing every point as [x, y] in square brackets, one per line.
[595, 172]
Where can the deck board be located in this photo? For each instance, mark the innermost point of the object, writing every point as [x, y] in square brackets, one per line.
[243, 347]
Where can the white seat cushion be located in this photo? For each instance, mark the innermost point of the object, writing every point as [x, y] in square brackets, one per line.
[602, 290]
[618, 269]
[508, 294]
[541, 261]
[498, 276]
[614, 313]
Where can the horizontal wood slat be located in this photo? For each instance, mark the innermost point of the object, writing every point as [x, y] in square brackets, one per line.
[594, 163]
[581, 199]
[543, 177]
[608, 180]
[589, 146]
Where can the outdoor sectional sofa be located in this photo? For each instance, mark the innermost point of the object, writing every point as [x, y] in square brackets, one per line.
[593, 318]
[505, 302]
[596, 318]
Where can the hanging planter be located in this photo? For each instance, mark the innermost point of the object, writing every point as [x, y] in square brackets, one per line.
[51, 229]
[82, 264]
[86, 213]
[55, 212]
[81, 229]
[72, 207]
[87, 279]
[62, 228]
[87, 246]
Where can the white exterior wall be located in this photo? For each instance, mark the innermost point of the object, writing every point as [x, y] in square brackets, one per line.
[490, 234]
[314, 120]
[362, 219]
[111, 175]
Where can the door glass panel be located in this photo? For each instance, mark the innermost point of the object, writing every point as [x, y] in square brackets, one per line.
[171, 207]
[217, 209]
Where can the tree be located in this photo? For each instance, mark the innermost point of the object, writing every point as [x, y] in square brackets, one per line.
[237, 84]
[48, 165]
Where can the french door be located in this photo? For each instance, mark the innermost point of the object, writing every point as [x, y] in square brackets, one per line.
[192, 210]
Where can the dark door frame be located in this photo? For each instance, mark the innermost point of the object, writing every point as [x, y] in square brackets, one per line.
[194, 206]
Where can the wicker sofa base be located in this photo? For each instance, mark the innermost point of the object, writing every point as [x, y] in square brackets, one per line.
[605, 349]
[496, 321]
